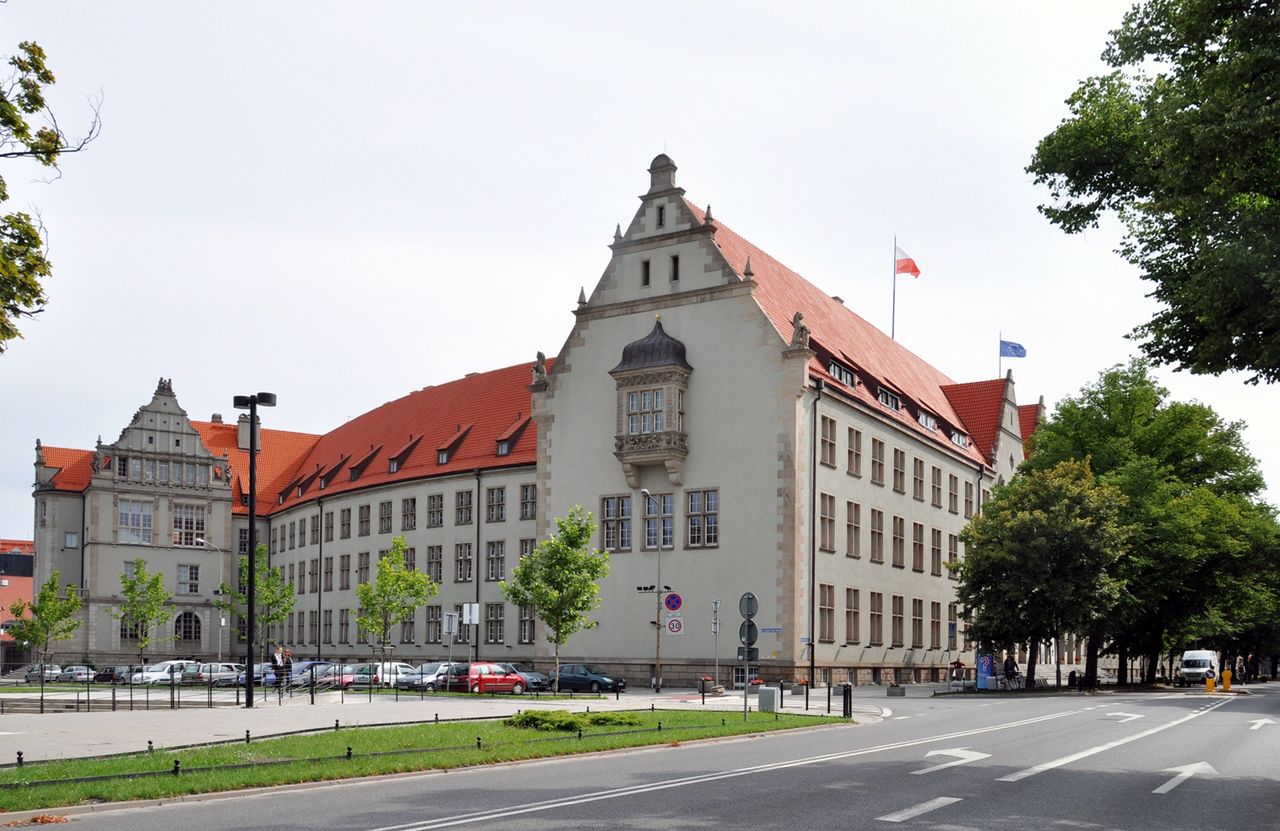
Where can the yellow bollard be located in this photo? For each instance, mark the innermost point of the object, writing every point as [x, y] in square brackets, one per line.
[1226, 680]
[1208, 683]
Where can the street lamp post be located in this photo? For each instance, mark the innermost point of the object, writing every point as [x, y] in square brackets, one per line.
[658, 591]
[250, 403]
[218, 591]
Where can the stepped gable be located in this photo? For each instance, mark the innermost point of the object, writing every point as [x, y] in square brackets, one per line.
[843, 335]
[279, 454]
[979, 405]
[465, 418]
[75, 467]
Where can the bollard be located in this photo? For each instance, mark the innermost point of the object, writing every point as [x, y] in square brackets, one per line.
[150, 749]
[437, 718]
[19, 758]
[659, 726]
[177, 767]
[1208, 683]
[479, 744]
[348, 751]
[579, 734]
[828, 698]
[335, 724]
[617, 693]
[704, 695]
[246, 737]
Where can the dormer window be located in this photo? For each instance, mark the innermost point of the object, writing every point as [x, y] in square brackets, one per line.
[355, 474]
[842, 373]
[926, 420]
[889, 399]
[393, 465]
[442, 457]
[323, 483]
[504, 448]
[959, 439]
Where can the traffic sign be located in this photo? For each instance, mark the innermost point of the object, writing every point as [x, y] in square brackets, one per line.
[673, 601]
[748, 633]
[951, 630]
[770, 630]
[748, 653]
[675, 624]
[748, 605]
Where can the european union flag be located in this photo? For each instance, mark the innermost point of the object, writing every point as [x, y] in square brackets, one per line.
[1009, 349]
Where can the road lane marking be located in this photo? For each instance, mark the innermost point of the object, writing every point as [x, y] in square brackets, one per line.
[917, 810]
[1126, 717]
[1259, 722]
[1075, 757]
[1184, 773]
[963, 756]
[550, 804]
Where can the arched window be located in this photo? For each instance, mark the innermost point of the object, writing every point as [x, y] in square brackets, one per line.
[187, 627]
[129, 631]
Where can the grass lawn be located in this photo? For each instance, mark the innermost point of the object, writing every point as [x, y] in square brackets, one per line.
[373, 751]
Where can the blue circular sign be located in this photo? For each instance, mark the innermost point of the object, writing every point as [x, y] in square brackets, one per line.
[673, 601]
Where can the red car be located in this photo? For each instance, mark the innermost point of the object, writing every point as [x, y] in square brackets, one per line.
[494, 678]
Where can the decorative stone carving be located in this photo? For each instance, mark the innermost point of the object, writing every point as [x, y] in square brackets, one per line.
[800, 332]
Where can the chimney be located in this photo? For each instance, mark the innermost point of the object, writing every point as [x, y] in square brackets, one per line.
[216, 418]
[242, 432]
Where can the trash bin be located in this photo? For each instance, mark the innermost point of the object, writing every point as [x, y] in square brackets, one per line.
[768, 700]
[846, 697]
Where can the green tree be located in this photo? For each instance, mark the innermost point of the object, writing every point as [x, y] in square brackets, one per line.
[1038, 558]
[394, 595]
[272, 596]
[49, 617]
[145, 606]
[560, 579]
[23, 263]
[1182, 141]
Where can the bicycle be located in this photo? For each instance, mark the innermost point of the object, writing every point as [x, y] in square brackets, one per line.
[1015, 683]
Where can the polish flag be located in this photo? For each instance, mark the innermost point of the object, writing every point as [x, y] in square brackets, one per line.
[904, 264]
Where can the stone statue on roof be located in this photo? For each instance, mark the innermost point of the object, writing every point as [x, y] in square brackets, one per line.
[800, 332]
[540, 369]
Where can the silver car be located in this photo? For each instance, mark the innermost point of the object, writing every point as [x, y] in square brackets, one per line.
[51, 672]
[76, 674]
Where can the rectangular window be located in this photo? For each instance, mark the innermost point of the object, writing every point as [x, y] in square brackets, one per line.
[527, 546]
[662, 215]
[935, 553]
[675, 268]
[135, 522]
[290, 580]
[917, 623]
[464, 629]
[826, 613]
[877, 462]
[149, 470]
[899, 470]
[917, 479]
[288, 632]
[315, 530]
[528, 501]
[526, 624]
[936, 496]
[293, 539]
[188, 579]
[162, 472]
[362, 568]
[462, 561]
[495, 505]
[951, 626]
[344, 573]
[917, 546]
[313, 626]
[435, 510]
[313, 574]
[646, 411]
[877, 619]
[242, 546]
[495, 561]
[362, 635]
[703, 518]
[408, 514]
[364, 521]
[898, 611]
[406, 630]
[935, 625]
[968, 500]
[855, 452]
[877, 536]
[344, 529]
[493, 623]
[434, 633]
[188, 524]
[644, 272]
[135, 469]
[411, 559]
[435, 563]
[851, 614]
[344, 626]
[953, 494]
[328, 574]
[953, 553]
[889, 399]
[615, 513]
[827, 522]
[828, 441]
[899, 542]
[659, 521]
[462, 508]
[384, 517]
[852, 529]
[328, 529]
[328, 626]
[302, 581]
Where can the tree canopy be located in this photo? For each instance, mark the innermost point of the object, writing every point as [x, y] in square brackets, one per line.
[48, 617]
[1182, 141]
[395, 594]
[561, 579]
[145, 606]
[272, 596]
[28, 130]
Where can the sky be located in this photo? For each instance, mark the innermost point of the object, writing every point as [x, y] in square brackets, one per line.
[341, 203]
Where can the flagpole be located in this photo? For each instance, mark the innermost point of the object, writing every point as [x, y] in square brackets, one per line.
[999, 353]
[893, 314]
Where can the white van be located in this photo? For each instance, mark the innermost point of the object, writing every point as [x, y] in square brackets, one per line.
[1195, 663]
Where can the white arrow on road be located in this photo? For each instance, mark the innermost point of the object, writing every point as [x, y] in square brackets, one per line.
[1184, 773]
[1258, 722]
[1125, 716]
[963, 757]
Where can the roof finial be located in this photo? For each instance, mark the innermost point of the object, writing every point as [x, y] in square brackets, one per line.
[617, 232]
[708, 217]
[747, 273]
[582, 296]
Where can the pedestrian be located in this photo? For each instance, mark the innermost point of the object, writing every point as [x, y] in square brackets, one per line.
[287, 667]
[1010, 666]
[277, 659]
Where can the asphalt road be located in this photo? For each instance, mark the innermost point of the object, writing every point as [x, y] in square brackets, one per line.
[1139, 761]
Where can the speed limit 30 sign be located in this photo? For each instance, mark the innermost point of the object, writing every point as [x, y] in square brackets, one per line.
[675, 624]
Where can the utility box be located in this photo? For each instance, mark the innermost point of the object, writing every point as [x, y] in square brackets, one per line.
[768, 699]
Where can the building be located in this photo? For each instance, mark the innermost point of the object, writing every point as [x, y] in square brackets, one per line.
[733, 428]
[16, 570]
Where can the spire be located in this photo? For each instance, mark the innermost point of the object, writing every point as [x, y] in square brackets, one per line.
[708, 217]
[582, 296]
[617, 232]
[747, 273]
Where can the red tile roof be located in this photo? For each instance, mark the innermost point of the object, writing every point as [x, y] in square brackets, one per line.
[979, 405]
[75, 468]
[845, 336]
[1028, 420]
[278, 458]
[20, 546]
[467, 416]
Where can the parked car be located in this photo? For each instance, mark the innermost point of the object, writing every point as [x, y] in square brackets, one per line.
[114, 675]
[78, 674]
[534, 681]
[51, 672]
[337, 675]
[456, 678]
[300, 674]
[258, 670]
[164, 672]
[389, 671]
[494, 678]
[218, 674]
[584, 678]
[364, 675]
[427, 677]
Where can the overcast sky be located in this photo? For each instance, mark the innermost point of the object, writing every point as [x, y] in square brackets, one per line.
[340, 203]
